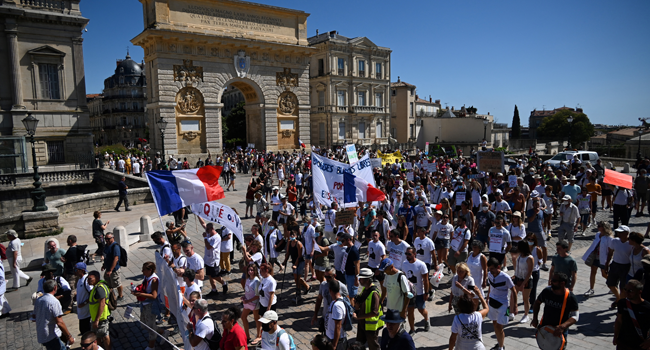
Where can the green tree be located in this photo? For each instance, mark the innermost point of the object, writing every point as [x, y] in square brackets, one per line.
[516, 125]
[558, 127]
[234, 124]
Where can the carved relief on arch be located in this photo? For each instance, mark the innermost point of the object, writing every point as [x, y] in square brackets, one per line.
[189, 100]
[288, 103]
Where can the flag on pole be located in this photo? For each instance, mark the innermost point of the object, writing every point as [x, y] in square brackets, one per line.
[173, 190]
[356, 189]
[302, 144]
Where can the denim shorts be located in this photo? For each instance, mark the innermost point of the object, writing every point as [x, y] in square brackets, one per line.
[417, 302]
[442, 243]
[300, 269]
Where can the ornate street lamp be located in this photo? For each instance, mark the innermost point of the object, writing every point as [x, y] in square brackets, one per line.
[570, 120]
[162, 125]
[38, 194]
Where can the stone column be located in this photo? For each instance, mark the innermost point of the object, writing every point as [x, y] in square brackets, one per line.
[78, 71]
[270, 122]
[14, 63]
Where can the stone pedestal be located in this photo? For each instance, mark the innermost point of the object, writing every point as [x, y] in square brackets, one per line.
[40, 223]
[146, 228]
[121, 237]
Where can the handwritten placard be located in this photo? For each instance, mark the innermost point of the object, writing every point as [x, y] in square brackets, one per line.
[409, 176]
[512, 180]
[345, 217]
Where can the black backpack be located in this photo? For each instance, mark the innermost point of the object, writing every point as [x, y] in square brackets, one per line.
[123, 257]
[213, 344]
[83, 254]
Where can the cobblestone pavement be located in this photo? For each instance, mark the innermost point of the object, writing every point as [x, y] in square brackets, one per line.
[593, 331]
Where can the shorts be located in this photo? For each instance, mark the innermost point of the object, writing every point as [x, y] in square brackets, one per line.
[418, 302]
[102, 329]
[149, 318]
[584, 218]
[442, 243]
[499, 315]
[528, 285]
[282, 220]
[308, 257]
[452, 260]
[594, 207]
[212, 271]
[498, 256]
[252, 305]
[565, 231]
[300, 269]
[250, 203]
[274, 216]
[541, 240]
[267, 190]
[617, 274]
[113, 281]
[320, 268]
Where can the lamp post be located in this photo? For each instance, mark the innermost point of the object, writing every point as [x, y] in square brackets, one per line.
[162, 125]
[38, 194]
[570, 120]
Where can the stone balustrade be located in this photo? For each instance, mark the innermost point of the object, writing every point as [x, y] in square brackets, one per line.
[9, 181]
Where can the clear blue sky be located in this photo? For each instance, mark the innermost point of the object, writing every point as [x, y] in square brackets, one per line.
[489, 54]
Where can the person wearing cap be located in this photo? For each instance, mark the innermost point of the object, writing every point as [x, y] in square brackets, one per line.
[276, 201]
[273, 336]
[418, 274]
[571, 189]
[569, 220]
[368, 310]
[15, 257]
[396, 291]
[499, 204]
[394, 336]
[83, 294]
[623, 201]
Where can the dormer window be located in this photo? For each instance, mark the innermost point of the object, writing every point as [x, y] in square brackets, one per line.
[121, 69]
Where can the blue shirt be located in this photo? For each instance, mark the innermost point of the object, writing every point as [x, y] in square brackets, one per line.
[535, 225]
[571, 191]
[110, 252]
[402, 341]
[122, 188]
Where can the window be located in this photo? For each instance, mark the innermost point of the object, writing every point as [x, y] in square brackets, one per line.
[379, 131]
[55, 152]
[379, 99]
[378, 70]
[340, 94]
[321, 131]
[341, 66]
[362, 130]
[341, 130]
[412, 130]
[134, 93]
[136, 106]
[393, 92]
[411, 109]
[362, 68]
[362, 98]
[49, 75]
[321, 98]
[121, 80]
[321, 67]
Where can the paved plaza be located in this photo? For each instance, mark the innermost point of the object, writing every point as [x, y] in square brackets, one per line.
[593, 331]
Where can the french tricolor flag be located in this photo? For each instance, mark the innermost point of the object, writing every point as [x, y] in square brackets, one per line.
[173, 190]
[302, 144]
[356, 189]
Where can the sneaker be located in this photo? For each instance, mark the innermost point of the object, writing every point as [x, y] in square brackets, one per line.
[127, 209]
[427, 327]
[525, 319]
[225, 288]
[589, 293]
[511, 317]
[531, 311]
[412, 332]
[29, 280]
[544, 267]
[588, 226]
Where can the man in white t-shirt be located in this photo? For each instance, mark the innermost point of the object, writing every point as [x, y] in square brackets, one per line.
[272, 334]
[376, 251]
[396, 249]
[500, 283]
[500, 205]
[499, 242]
[212, 257]
[188, 277]
[204, 328]
[337, 315]
[418, 274]
[309, 236]
[178, 263]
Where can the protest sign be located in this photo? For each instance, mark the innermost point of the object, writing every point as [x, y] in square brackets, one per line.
[352, 153]
[460, 197]
[170, 295]
[512, 180]
[389, 158]
[409, 176]
[490, 162]
[408, 166]
[617, 179]
[328, 177]
[222, 215]
[376, 162]
[344, 217]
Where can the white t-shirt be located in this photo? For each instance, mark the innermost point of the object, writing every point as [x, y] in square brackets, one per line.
[469, 329]
[499, 239]
[443, 230]
[226, 244]
[460, 234]
[136, 168]
[269, 339]
[395, 291]
[268, 285]
[193, 288]
[180, 262]
[83, 293]
[423, 248]
[499, 287]
[330, 219]
[397, 253]
[309, 236]
[64, 284]
[500, 206]
[289, 209]
[336, 312]
[277, 203]
[517, 231]
[276, 235]
[204, 329]
[212, 256]
[195, 262]
[414, 272]
[621, 250]
[375, 251]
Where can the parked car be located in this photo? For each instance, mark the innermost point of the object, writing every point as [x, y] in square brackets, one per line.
[585, 156]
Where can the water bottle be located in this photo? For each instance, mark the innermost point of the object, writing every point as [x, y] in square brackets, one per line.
[132, 287]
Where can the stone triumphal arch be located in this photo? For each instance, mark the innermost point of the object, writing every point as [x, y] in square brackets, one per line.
[194, 49]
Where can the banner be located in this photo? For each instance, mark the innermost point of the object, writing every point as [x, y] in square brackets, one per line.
[222, 215]
[490, 162]
[172, 294]
[352, 154]
[389, 158]
[617, 179]
[328, 177]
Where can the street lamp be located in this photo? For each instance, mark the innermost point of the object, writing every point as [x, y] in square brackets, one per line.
[570, 120]
[38, 194]
[162, 125]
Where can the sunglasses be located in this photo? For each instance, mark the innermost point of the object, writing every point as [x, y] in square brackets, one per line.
[409, 254]
[86, 345]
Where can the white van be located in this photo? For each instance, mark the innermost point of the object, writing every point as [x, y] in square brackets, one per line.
[564, 157]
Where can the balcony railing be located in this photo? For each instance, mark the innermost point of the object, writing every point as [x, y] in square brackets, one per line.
[341, 71]
[57, 5]
[329, 109]
[362, 73]
[368, 109]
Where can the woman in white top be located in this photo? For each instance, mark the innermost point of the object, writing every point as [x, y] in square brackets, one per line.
[250, 300]
[477, 263]
[281, 175]
[476, 195]
[522, 278]
[636, 255]
[517, 233]
[268, 284]
[537, 254]
[599, 248]
[466, 329]
[463, 279]
[584, 207]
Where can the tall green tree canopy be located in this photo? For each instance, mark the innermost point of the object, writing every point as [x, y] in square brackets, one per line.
[516, 125]
[558, 127]
[234, 125]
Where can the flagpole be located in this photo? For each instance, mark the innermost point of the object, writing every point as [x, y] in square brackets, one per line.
[146, 175]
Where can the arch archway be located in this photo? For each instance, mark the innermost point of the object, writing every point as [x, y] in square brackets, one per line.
[254, 99]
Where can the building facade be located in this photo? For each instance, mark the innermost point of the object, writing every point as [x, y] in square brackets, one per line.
[404, 122]
[537, 117]
[42, 70]
[349, 83]
[462, 128]
[118, 115]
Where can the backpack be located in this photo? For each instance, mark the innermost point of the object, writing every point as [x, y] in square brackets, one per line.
[349, 310]
[123, 257]
[409, 284]
[3, 252]
[292, 345]
[213, 344]
[83, 254]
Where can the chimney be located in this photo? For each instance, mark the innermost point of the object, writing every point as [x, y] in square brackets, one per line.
[429, 98]
[488, 113]
[417, 97]
[438, 101]
[452, 108]
[316, 32]
[332, 33]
